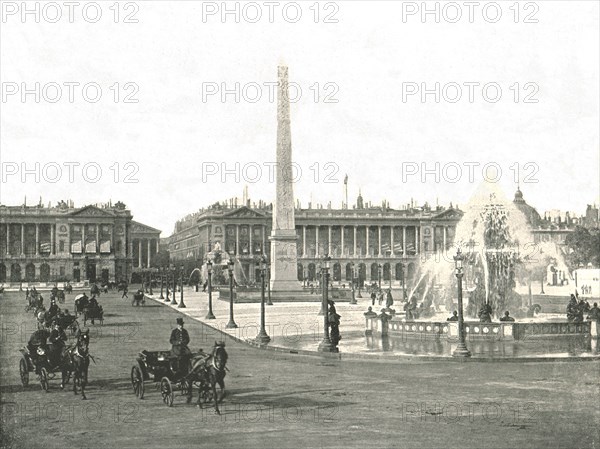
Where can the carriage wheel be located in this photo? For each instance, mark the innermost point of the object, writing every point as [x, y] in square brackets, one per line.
[44, 379]
[186, 386]
[137, 381]
[24, 372]
[166, 391]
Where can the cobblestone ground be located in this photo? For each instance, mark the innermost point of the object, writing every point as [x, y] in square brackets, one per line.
[284, 400]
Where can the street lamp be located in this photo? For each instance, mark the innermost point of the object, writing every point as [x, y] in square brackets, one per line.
[231, 324]
[269, 302]
[150, 277]
[209, 315]
[173, 269]
[325, 345]
[353, 300]
[161, 273]
[181, 303]
[320, 278]
[167, 282]
[403, 280]
[461, 350]
[262, 337]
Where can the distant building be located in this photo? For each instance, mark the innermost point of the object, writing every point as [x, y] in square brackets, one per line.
[366, 236]
[95, 242]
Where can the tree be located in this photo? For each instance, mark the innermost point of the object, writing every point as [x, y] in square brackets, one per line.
[583, 247]
[162, 259]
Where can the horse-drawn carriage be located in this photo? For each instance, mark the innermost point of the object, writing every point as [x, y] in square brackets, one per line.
[34, 302]
[57, 294]
[95, 290]
[205, 371]
[37, 362]
[138, 298]
[92, 313]
[73, 360]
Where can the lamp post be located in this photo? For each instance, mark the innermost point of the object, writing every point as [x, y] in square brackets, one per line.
[353, 300]
[173, 270]
[262, 337]
[403, 280]
[231, 324]
[359, 295]
[461, 350]
[325, 345]
[320, 278]
[167, 282]
[160, 273]
[209, 315]
[269, 302]
[150, 277]
[181, 303]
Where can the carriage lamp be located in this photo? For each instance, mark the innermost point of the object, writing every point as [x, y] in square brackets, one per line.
[325, 345]
[231, 324]
[209, 315]
[461, 349]
[181, 303]
[262, 337]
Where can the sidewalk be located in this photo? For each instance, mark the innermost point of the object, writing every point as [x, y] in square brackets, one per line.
[294, 326]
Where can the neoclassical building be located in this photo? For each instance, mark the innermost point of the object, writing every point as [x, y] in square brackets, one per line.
[95, 242]
[367, 238]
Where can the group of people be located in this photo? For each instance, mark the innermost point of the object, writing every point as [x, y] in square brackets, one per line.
[579, 307]
[377, 294]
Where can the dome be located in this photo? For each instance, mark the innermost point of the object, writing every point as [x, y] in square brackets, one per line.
[532, 215]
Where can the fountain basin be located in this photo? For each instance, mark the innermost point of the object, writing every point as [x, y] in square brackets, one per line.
[385, 326]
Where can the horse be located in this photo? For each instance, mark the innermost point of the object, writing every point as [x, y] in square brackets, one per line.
[76, 361]
[209, 371]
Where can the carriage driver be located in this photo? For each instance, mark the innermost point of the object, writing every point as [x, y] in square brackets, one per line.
[57, 339]
[179, 345]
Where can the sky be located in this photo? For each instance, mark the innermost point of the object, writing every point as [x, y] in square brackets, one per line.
[168, 107]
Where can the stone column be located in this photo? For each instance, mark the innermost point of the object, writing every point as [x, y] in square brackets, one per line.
[22, 239]
[317, 241]
[264, 237]
[37, 239]
[149, 258]
[392, 242]
[329, 248]
[417, 239]
[379, 241]
[139, 253]
[367, 235]
[250, 249]
[8, 239]
[237, 239]
[303, 240]
[157, 245]
[97, 238]
[52, 238]
[83, 238]
[404, 240]
[354, 242]
[342, 240]
[444, 238]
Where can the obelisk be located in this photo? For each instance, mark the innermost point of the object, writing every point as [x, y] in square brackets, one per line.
[283, 237]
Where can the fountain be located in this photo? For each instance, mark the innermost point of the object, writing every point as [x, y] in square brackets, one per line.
[501, 256]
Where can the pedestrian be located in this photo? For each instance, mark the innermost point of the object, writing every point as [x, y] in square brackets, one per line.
[124, 292]
[373, 297]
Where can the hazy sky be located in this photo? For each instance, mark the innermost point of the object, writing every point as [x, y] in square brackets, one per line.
[359, 107]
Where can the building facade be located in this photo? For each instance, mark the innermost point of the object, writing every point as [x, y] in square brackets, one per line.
[361, 241]
[96, 243]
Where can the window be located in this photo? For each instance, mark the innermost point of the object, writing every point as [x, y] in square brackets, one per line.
[61, 246]
[62, 271]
